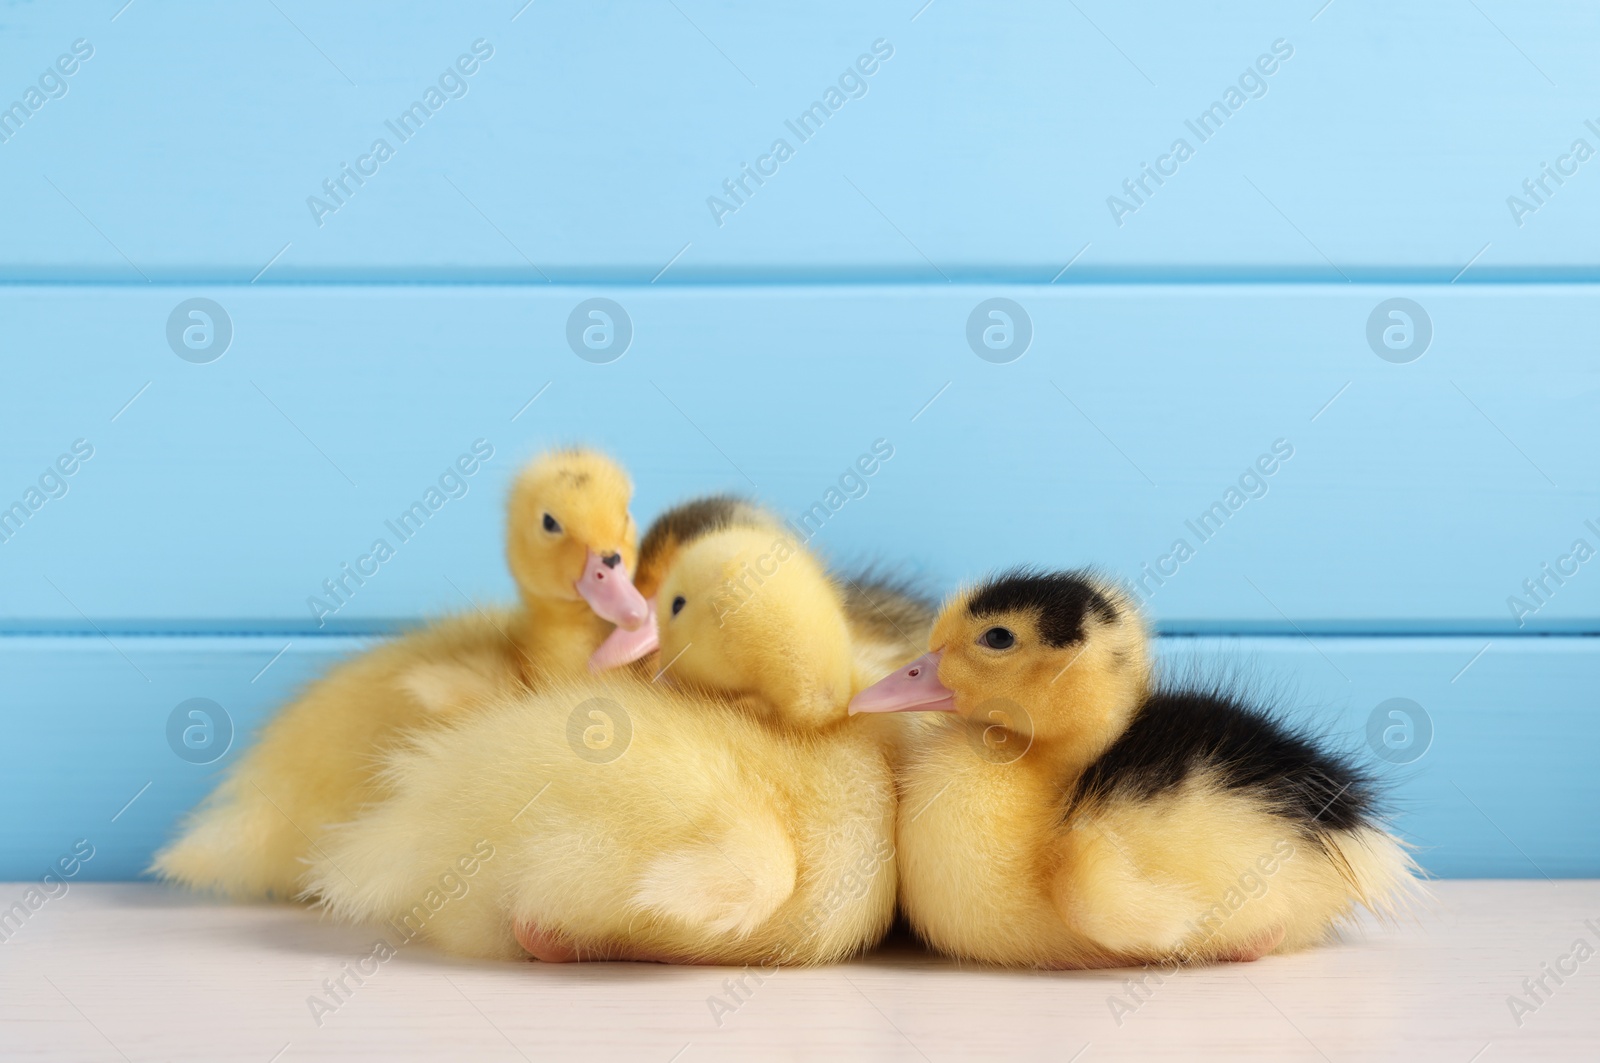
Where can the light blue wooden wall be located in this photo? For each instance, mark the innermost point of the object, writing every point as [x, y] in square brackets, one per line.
[1177, 337]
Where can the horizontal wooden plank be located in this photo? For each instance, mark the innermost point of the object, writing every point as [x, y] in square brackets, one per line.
[594, 141]
[1241, 453]
[1487, 740]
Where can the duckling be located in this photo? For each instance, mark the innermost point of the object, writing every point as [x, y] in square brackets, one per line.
[737, 815]
[1070, 812]
[889, 617]
[571, 549]
[665, 539]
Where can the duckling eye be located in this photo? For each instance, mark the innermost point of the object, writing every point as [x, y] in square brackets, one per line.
[551, 525]
[678, 603]
[999, 638]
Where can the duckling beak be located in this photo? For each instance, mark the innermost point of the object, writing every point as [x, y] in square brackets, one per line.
[610, 593]
[914, 688]
[624, 647]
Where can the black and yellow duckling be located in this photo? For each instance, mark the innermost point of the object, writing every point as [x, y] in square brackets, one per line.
[571, 546]
[1070, 812]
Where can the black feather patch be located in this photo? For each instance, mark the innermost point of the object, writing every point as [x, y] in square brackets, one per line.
[889, 605]
[1181, 732]
[1061, 599]
[694, 520]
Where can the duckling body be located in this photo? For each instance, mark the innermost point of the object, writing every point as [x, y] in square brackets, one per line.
[1066, 812]
[741, 817]
[706, 840]
[313, 764]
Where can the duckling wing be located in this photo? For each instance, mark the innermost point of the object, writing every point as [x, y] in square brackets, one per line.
[730, 883]
[1211, 826]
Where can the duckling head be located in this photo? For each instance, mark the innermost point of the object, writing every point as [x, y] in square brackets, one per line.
[569, 535]
[1060, 657]
[748, 612]
[686, 523]
[667, 537]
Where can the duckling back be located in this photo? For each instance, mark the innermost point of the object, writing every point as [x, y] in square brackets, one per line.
[626, 819]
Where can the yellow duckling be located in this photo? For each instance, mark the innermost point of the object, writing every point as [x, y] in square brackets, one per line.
[738, 817]
[572, 547]
[889, 620]
[1068, 814]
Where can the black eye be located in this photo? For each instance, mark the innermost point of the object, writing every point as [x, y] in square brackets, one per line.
[678, 603]
[999, 638]
[551, 525]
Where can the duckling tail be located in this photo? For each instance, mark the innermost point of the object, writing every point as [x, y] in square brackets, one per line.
[236, 846]
[729, 884]
[1379, 870]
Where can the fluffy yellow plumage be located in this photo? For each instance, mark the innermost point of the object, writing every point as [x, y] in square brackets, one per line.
[740, 818]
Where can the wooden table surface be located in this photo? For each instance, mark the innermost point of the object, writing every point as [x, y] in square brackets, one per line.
[135, 972]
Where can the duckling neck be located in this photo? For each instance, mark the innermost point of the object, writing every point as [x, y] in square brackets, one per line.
[556, 636]
[1065, 761]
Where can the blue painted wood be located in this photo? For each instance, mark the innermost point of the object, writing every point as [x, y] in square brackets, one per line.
[87, 727]
[987, 147]
[87, 747]
[1197, 325]
[1414, 498]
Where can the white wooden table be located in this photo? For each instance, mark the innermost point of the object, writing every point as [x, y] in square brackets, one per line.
[139, 973]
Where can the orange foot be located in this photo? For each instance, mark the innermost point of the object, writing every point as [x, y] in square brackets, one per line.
[1247, 951]
[549, 947]
[1255, 948]
[543, 946]
[1094, 963]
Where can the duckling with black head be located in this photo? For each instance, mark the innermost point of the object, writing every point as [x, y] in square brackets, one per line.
[1072, 812]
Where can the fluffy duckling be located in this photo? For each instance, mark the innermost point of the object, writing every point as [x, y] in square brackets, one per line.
[572, 547]
[1069, 814]
[739, 816]
[889, 618]
[665, 539]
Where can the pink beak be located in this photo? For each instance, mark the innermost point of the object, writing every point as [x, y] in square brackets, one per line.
[914, 688]
[610, 593]
[624, 647]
